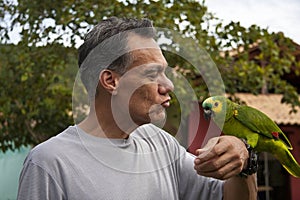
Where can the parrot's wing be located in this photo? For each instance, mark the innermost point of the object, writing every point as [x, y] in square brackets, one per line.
[260, 123]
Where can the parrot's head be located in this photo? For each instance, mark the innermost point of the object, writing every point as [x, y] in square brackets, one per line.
[215, 107]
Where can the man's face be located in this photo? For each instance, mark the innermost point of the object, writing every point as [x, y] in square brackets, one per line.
[143, 89]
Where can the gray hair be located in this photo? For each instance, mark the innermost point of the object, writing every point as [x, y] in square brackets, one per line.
[105, 47]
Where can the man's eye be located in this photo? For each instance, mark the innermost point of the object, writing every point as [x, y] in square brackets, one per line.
[153, 75]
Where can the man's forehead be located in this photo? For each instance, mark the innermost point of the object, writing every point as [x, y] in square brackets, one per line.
[145, 50]
[136, 42]
[147, 56]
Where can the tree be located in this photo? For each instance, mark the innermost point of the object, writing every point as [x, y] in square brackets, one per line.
[257, 61]
[36, 95]
[37, 98]
[35, 102]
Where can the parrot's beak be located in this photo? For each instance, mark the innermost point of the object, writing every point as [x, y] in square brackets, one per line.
[208, 113]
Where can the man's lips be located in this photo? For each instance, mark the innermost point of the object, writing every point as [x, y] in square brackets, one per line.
[160, 107]
[166, 103]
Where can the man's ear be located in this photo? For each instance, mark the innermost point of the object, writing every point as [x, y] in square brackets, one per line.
[109, 80]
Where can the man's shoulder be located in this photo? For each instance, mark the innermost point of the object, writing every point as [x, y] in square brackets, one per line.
[52, 148]
[155, 135]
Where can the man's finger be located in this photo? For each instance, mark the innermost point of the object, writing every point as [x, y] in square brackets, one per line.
[204, 152]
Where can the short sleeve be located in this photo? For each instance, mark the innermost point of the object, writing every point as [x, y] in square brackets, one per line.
[36, 184]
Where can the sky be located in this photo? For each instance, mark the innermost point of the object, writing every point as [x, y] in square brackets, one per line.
[276, 15]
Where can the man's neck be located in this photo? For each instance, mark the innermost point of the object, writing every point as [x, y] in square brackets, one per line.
[102, 124]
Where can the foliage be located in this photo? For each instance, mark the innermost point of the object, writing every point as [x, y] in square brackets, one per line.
[37, 74]
[258, 62]
[35, 102]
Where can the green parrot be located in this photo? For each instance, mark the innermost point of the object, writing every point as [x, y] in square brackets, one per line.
[260, 132]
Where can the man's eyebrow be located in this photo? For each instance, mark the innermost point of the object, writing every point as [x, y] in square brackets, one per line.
[154, 68]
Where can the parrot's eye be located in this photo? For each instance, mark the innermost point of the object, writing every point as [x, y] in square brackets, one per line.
[216, 104]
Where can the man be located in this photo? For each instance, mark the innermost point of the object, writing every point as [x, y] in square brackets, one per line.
[116, 153]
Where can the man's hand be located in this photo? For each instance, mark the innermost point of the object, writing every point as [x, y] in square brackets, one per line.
[222, 158]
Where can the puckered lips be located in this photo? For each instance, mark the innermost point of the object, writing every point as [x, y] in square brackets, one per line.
[166, 103]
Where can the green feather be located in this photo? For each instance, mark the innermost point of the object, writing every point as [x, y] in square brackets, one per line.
[260, 123]
[261, 132]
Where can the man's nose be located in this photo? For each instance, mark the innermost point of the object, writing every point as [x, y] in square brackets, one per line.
[165, 85]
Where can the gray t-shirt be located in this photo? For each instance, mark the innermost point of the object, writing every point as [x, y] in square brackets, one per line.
[150, 164]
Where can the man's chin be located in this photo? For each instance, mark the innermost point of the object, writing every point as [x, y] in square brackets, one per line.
[158, 119]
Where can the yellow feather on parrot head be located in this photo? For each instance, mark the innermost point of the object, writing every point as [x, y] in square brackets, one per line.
[217, 105]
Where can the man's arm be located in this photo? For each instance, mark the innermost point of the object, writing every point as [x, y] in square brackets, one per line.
[224, 158]
[241, 188]
[36, 184]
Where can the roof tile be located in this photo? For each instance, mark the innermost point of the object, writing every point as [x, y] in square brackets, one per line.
[271, 105]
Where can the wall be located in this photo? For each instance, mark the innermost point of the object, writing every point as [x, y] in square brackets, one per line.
[11, 163]
[293, 133]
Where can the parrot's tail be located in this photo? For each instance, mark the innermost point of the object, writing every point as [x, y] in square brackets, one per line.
[280, 151]
[290, 164]
[286, 158]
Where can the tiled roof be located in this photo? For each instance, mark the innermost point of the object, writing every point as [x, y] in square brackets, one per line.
[271, 105]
